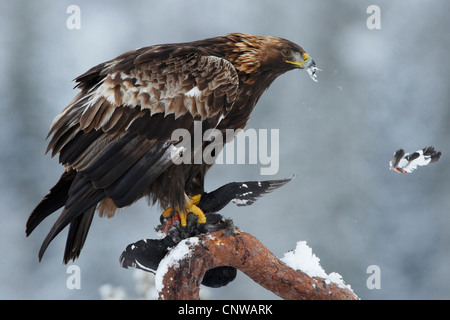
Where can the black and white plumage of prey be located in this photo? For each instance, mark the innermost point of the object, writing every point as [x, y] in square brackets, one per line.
[146, 254]
[240, 193]
[408, 162]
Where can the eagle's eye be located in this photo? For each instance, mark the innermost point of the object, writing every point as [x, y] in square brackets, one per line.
[286, 52]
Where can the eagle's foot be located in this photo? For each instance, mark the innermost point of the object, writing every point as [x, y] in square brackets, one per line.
[191, 206]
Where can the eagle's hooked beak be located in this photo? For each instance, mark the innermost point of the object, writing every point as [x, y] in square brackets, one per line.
[305, 61]
[302, 62]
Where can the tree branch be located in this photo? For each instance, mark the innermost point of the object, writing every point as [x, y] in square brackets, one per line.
[179, 277]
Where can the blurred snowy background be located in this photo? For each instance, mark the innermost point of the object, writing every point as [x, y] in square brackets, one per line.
[379, 90]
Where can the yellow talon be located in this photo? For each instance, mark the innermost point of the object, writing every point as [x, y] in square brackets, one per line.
[195, 199]
[191, 206]
[183, 216]
[166, 213]
[197, 212]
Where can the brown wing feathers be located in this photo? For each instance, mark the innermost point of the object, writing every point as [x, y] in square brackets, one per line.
[53, 201]
[83, 198]
[131, 186]
[114, 137]
[118, 173]
[77, 234]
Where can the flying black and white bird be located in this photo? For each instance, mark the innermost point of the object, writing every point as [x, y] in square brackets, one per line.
[407, 162]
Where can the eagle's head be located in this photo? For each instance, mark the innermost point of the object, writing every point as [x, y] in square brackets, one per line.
[259, 54]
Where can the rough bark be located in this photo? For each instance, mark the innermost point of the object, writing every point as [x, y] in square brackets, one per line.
[247, 254]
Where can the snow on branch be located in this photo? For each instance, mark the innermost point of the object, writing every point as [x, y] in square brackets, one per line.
[297, 276]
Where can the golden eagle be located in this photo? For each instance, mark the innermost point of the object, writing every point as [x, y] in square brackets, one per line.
[115, 138]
